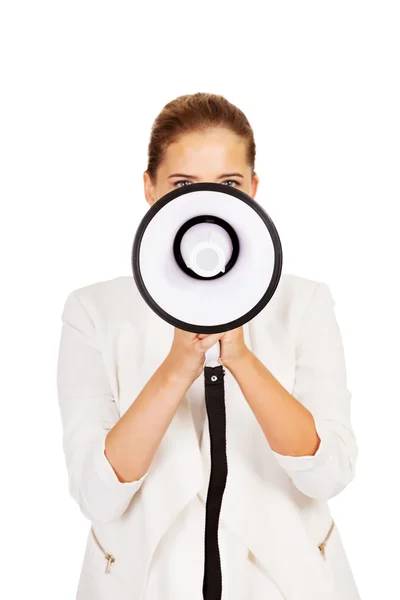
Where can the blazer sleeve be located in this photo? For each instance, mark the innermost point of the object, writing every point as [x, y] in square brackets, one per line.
[321, 386]
[88, 412]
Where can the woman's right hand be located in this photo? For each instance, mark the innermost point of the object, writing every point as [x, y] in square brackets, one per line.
[187, 354]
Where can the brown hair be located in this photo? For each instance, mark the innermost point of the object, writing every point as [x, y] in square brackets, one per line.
[196, 112]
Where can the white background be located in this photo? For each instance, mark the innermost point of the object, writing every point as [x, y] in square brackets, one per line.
[81, 85]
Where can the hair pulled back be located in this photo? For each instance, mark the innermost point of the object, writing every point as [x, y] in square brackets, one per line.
[196, 112]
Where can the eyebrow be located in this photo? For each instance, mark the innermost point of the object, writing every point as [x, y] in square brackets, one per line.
[193, 177]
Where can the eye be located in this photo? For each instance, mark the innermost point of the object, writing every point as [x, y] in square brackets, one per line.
[231, 181]
[182, 181]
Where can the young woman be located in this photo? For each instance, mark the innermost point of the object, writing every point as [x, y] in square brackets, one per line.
[135, 436]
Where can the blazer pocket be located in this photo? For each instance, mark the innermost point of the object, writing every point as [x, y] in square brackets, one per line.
[109, 558]
[323, 545]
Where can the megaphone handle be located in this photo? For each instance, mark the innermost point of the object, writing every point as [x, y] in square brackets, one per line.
[212, 355]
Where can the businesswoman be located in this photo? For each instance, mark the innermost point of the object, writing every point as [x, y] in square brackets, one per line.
[135, 436]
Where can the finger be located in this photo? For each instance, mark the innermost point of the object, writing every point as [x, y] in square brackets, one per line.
[209, 341]
[204, 335]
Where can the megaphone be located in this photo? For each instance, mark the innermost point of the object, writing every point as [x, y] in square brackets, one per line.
[207, 258]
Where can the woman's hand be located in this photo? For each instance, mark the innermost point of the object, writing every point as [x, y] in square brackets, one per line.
[187, 354]
[232, 346]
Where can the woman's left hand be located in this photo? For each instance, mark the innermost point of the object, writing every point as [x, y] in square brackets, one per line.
[232, 346]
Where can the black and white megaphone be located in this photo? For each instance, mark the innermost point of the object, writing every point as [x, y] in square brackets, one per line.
[207, 258]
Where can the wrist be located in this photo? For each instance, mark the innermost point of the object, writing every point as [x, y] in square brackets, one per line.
[243, 358]
[175, 375]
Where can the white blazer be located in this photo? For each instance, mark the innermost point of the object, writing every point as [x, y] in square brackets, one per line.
[111, 344]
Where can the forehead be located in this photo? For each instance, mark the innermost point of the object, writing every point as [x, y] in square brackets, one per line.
[213, 146]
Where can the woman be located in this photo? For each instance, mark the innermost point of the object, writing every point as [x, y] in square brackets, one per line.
[137, 448]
